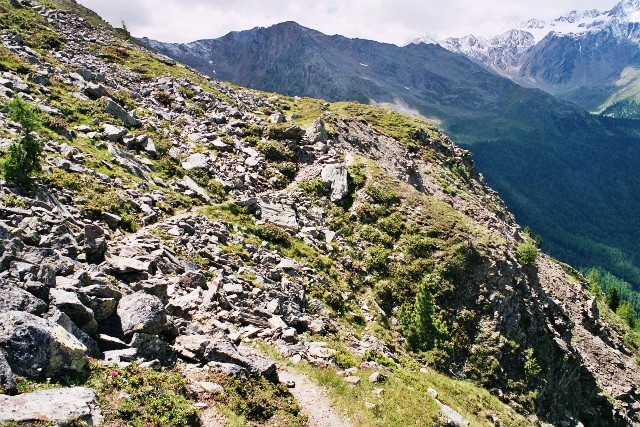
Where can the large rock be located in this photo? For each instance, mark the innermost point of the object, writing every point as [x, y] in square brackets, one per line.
[142, 313]
[16, 299]
[95, 243]
[70, 304]
[152, 347]
[279, 214]
[57, 316]
[7, 382]
[95, 91]
[336, 176]
[115, 110]
[58, 405]
[196, 161]
[317, 132]
[123, 265]
[199, 348]
[38, 348]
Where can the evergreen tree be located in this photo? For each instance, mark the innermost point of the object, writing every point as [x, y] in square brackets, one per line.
[613, 298]
[24, 155]
[421, 325]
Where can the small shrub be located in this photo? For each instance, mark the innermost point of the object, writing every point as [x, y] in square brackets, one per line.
[275, 150]
[288, 169]
[393, 224]
[163, 98]
[314, 187]
[372, 355]
[358, 175]
[526, 253]
[382, 195]
[377, 258]
[626, 312]
[419, 246]
[272, 233]
[613, 298]
[344, 359]
[531, 367]
[24, 155]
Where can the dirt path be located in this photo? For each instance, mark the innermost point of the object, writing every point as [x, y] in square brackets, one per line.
[313, 400]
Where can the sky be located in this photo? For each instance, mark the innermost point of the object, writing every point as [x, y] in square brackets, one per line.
[390, 21]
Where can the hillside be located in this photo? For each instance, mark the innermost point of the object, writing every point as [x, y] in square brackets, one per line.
[567, 174]
[188, 243]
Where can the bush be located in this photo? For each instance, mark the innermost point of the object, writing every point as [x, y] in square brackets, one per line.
[314, 187]
[526, 253]
[273, 233]
[382, 195]
[275, 150]
[25, 155]
[531, 367]
[419, 246]
[613, 298]
[288, 169]
[358, 175]
[626, 312]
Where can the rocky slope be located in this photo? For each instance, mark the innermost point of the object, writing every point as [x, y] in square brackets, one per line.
[584, 57]
[530, 146]
[178, 216]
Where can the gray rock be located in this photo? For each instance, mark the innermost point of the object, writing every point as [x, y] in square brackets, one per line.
[113, 133]
[57, 405]
[149, 146]
[86, 74]
[56, 316]
[142, 313]
[7, 382]
[95, 243]
[195, 161]
[335, 176]
[190, 184]
[38, 348]
[70, 304]
[277, 117]
[317, 132]
[123, 265]
[152, 347]
[279, 214]
[115, 110]
[39, 78]
[112, 220]
[95, 91]
[16, 299]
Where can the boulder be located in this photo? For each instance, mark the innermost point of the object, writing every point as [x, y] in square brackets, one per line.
[60, 406]
[95, 91]
[95, 243]
[152, 347]
[140, 312]
[279, 214]
[115, 110]
[123, 265]
[38, 348]
[70, 304]
[196, 161]
[7, 382]
[113, 133]
[317, 132]
[335, 176]
[57, 316]
[16, 299]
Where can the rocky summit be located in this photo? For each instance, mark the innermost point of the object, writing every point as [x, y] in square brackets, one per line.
[194, 253]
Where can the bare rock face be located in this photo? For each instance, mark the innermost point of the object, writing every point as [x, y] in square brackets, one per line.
[59, 406]
[142, 313]
[7, 382]
[37, 348]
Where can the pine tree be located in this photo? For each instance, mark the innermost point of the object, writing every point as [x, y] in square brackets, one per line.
[613, 298]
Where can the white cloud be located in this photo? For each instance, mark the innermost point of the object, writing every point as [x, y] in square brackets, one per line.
[381, 20]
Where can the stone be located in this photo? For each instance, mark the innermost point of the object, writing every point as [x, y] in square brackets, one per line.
[196, 161]
[56, 405]
[16, 299]
[335, 176]
[95, 91]
[57, 316]
[279, 214]
[123, 265]
[369, 405]
[70, 304]
[352, 380]
[115, 110]
[7, 382]
[288, 264]
[112, 220]
[211, 388]
[95, 243]
[149, 147]
[193, 186]
[317, 132]
[452, 415]
[153, 347]
[113, 133]
[376, 377]
[433, 393]
[277, 117]
[140, 312]
[38, 348]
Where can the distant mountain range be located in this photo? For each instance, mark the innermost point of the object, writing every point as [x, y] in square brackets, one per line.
[570, 175]
[591, 58]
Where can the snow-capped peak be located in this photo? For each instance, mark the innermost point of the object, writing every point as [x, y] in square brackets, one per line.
[628, 10]
[423, 40]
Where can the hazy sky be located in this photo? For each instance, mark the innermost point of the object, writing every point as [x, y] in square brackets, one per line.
[383, 20]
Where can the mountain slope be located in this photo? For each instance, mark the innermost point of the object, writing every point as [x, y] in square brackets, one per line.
[177, 216]
[565, 173]
[583, 57]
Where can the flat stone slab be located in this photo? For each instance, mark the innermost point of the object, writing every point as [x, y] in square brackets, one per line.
[58, 405]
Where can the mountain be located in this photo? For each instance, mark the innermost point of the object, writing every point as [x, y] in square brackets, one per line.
[590, 58]
[183, 235]
[567, 174]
